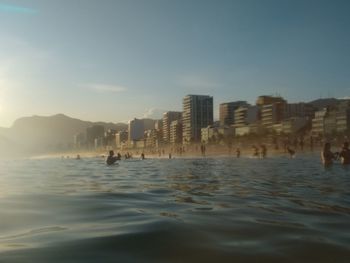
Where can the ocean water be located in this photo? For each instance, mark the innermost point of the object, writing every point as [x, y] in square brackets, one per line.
[178, 210]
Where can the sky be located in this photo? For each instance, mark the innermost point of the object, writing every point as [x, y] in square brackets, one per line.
[113, 60]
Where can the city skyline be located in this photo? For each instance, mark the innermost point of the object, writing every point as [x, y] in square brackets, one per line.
[119, 60]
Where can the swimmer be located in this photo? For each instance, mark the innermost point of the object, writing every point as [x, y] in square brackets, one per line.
[111, 159]
[345, 154]
[327, 156]
[238, 152]
[291, 152]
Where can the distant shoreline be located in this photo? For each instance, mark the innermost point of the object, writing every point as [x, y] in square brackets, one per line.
[211, 152]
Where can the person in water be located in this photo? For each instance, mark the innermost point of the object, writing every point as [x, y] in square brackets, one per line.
[238, 152]
[326, 155]
[111, 159]
[291, 152]
[255, 151]
[263, 151]
[345, 154]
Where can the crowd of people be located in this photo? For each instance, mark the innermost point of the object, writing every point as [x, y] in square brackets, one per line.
[327, 156]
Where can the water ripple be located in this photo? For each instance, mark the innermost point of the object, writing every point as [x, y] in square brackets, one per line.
[179, 210]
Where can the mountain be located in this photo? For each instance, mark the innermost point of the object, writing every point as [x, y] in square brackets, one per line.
[323, 103]
[39, 134]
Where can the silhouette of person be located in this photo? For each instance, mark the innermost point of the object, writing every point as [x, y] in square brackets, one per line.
[291, 152]
[345, 153]
[326, 155]
[111, 159]
[238, 152]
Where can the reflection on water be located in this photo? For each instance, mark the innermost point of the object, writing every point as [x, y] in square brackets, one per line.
[179, 210]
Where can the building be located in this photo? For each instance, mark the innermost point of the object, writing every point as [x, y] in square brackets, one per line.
[215, 134]
[318, 122]
[176, 132]
[343, 117]
[93, 133]
[110, 138]
[168, 118]
[197, 114]
[272, 110]
[207, 134]
[136, 130]
[300, 109]
[246, 115]
[332, 120]
[272, 114]
[291, 125]
[266, 100]
[158, 125]
[151, 138]
[226, 112]
[79, 140]
[98, 143]
[148, 124]
[247, 129]
[121, 139]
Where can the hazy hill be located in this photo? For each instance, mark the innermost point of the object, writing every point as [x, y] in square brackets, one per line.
[40, 134]
[323, 103]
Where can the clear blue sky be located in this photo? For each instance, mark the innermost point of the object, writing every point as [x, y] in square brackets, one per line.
[113, 60]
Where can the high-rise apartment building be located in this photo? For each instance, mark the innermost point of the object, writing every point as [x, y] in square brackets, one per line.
[121, 138]
[197, 114]
[168, 118]
[136, 129]
[272, 110]
[300, 109]
[176, 132]
[226, 112]
[333, 119]
[246, 115]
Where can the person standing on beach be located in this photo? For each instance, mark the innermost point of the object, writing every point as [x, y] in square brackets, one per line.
[345, 154]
